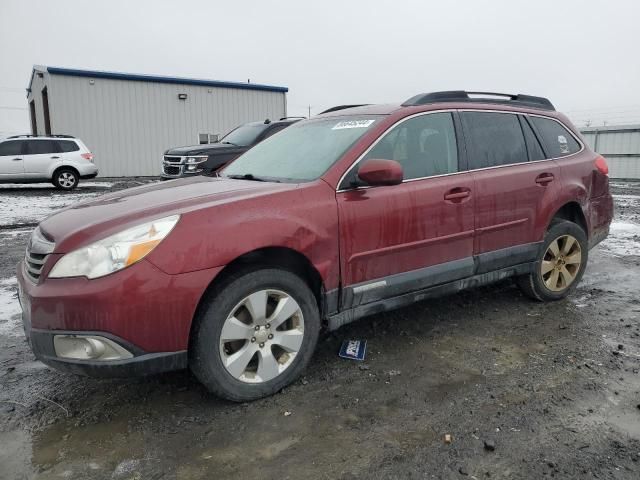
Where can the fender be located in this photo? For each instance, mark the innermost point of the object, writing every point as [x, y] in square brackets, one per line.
[208, 239]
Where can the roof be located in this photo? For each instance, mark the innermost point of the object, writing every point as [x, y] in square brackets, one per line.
[373, 109]
[136, 77]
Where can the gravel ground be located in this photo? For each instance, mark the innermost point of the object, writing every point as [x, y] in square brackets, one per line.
[483, 384]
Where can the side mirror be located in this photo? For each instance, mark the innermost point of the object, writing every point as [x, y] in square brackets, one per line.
[377, 172]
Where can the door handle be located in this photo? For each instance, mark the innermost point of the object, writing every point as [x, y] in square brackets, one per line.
[544, 178]
[55, 157]
[457, 194]
[17, 159]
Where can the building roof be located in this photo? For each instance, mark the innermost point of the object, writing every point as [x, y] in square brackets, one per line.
[155, 79]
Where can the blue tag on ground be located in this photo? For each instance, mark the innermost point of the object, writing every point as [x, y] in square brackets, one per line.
[353, 349]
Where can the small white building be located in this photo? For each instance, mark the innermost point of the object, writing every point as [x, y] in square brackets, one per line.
[129, 120]
[620, 145]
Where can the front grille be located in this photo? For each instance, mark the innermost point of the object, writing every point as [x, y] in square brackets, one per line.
[171, 170]
[172, 159]
[36, 255]
[33, 263]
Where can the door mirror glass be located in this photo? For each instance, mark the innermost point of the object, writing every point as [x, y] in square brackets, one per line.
[377, 172]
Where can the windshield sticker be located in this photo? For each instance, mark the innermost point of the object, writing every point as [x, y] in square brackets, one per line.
[352, 124]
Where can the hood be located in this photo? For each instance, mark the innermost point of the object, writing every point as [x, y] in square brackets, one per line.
[92, 220]
[208, 149]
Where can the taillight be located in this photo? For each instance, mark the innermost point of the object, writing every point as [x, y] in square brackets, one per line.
[89, 156]
[601, 165]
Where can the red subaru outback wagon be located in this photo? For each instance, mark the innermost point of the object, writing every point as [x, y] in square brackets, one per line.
[353, 212]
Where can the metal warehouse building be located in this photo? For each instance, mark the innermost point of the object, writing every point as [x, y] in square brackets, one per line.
[129, 120]
[620, 145]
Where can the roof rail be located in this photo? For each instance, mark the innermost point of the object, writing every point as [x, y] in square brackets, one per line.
[480, 97]
[29, 135]
[343, 107]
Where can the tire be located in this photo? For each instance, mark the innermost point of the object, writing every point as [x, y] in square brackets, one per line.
[216, 359]
[547, 285]
[65, 179]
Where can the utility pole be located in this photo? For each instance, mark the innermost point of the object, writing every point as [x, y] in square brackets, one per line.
[309, 112]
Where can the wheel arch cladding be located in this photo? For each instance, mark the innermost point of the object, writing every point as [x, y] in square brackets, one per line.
[64, 167]
[572, 211]
[267, 257]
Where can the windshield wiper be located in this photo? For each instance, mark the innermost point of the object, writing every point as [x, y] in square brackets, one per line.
[231, 143]
[250, 176]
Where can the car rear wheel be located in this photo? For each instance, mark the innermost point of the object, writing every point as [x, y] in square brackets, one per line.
[255, 334]
[560, 265]
[65, 179]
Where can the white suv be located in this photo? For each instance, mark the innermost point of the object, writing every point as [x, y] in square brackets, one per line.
[60, 159]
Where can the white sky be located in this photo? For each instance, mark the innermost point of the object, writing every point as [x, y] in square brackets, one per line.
[582, 55]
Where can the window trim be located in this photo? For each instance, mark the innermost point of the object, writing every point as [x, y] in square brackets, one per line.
[456, 128]
[460, 137]
[535, 131]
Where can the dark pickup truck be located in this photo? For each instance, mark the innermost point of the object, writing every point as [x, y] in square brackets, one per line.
[203, 159]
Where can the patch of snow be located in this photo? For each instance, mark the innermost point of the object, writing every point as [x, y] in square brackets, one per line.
[623, 240]
[15, 233]
[49, 186]
[35, 208]
[10, 321]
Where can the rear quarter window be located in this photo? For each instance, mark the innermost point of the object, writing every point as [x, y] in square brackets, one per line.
[68, 146]
[556, 139]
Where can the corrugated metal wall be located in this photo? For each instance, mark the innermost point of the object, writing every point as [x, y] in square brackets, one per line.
[129, 124]
[620, 145]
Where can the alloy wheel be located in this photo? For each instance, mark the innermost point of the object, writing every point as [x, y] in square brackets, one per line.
[561, 263]
[66, 179]
[261, 336]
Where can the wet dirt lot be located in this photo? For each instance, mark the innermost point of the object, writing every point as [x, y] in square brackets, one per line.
[524, 389]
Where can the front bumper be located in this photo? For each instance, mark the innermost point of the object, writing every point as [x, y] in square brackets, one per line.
[140, 364]
[171, 171]
[141, 308]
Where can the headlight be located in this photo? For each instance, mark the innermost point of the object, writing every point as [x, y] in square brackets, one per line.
[192, 160]
[115, 252]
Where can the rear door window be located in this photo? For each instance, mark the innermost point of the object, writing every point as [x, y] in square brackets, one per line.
[533, 145]
[557, 140]
[37, 147]
[493, 139]
[12, 147]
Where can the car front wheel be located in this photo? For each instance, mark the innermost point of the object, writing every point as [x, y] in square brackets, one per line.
[254, 334]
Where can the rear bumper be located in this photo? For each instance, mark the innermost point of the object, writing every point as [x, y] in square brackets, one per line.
[86, 169]
[598, 236]
[141, 364]
[600, 217]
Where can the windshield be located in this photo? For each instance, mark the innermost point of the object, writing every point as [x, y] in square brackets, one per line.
[303, 151]
[244, 135]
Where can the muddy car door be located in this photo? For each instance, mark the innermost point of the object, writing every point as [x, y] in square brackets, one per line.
[514, 185]
[405, 237]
